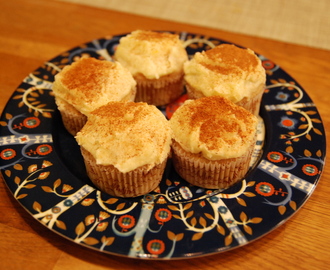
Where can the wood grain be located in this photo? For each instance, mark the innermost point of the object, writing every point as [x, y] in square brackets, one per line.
[291, 21]
[32, 32]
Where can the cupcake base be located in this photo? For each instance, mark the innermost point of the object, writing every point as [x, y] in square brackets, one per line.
[213, 174]
[160, 91]
[73, 120]
[252, 104]
[131, 184]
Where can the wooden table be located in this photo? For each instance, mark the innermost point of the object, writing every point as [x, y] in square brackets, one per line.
[32, 32]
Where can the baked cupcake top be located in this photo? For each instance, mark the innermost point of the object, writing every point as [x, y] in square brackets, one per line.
[226, 70]
[126, 135]
[90, 83]
[214, 127]
[151, 54]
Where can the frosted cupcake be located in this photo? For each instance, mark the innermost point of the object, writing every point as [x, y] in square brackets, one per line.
[125, 146]
[213, 140]
[156, 62]
[228, 71]
[88, 84]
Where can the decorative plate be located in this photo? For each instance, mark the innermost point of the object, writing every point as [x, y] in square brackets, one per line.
[43, 168]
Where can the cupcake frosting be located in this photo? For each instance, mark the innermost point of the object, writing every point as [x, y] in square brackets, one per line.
[226, 70]
[214, 127]
[90, 83]
[151, 54]
[126, 135]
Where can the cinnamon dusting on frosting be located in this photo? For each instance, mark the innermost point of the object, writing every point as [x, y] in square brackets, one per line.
[89, 76]
[236, 59]
[226, 70]
[126, 135]
[155, 36]
[213, 126]
[90, 83]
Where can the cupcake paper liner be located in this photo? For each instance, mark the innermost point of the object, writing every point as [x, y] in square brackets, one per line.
[109, 179]
[73, 120]
[212, 174]
[252, 104]
[159, 91]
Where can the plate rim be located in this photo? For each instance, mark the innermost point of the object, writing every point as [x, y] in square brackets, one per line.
[193, 255]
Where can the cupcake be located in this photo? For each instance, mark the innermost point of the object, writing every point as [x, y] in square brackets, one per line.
[125, 146]
[155, 60]
[228, 71]
[213, 140]
[88, 84]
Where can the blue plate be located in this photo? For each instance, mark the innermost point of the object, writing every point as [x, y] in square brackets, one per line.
[42, 166]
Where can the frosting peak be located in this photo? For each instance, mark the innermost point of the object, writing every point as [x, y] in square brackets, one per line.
[151, 54]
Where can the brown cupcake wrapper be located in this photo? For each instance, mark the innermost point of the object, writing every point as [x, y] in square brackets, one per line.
[213, 174]
[72, 119]
[251, 104]
[160, 91]
[109, 179]
[192, 93]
